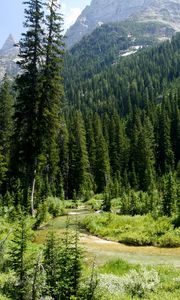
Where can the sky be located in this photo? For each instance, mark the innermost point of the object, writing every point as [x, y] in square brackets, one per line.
[11, 16]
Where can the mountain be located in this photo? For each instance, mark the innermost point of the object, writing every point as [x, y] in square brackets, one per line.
[128, 83]
[107, 11]
[110, 43]
[8, 58]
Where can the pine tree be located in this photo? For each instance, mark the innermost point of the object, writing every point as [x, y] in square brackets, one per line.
[63, 145]
[6, 128]
[38, 279]
[143, 154]
[102, 172]
[18, 259]
[169, 195]
[91, 146]
[28, 85]
[79, 173]
[51, 265]
[70, 266]
[165, 157]
[3, 169]
[51, 97]
[62, 263]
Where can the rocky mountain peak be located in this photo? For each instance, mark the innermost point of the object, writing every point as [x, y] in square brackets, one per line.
[9, 48]
[109, 11]
[8, 58]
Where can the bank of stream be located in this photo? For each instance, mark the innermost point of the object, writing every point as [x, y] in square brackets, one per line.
[102, 250]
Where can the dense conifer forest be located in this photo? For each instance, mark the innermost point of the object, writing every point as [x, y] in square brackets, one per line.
[94, 127]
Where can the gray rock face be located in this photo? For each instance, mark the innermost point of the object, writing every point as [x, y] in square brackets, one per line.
[165, 11]
[106, 11]
[9, 48]
[8, 58]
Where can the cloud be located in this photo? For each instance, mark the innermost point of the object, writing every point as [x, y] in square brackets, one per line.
[71, 16]
[63, 7]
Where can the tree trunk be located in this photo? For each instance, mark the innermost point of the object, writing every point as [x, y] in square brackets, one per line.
[32, 194]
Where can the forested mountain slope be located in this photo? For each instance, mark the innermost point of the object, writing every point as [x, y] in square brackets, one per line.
[131, 81]
[108, 43]
[105, 11]
[128, 134]
[118, 131]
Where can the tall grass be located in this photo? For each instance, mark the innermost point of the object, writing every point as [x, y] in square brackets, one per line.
[137, 230]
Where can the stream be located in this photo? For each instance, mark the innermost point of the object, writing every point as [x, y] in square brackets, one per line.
[103, 250]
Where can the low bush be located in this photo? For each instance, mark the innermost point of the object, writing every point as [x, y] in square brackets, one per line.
[135, 239]
[96, 202]
[139, 283]
[135, 283]
[136, 230]
[111, 284]
[55, 206]
[170, 239]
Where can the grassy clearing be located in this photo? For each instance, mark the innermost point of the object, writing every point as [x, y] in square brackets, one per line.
[137, 230]
[117, 267]
[115, 273]
[114, 270]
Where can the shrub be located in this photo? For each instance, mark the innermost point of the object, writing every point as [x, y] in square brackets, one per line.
[55, 206]
[96, 202]
[42, 215]
[135, 238]
[139, 283]
[136, 230]
[4, 298]
[170, 239]
[111, 284]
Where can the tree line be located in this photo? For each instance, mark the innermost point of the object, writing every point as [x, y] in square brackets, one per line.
[116, 132]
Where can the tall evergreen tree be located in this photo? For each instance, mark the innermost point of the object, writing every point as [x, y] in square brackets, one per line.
[79, 173]
[28, 84]
[6, 127]
[37, 109]
[19, 259]
[102, 172]
[62, 263]
[51, 97]
[165, 155]
[63, 145]
[51, 265]
[169, 195]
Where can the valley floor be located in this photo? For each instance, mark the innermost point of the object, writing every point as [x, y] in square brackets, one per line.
[103, 250]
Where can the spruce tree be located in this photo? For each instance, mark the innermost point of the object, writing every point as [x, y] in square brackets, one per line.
[169, 201]
[79, 172]
[165, 155]
[63, 145]
[62, 263]
[102, 172]
[6, 128]
[28, 85]
[51, 97]
[19, 259]
[37, 109]
[51, 265]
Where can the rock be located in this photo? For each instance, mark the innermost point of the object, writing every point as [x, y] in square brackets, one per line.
[107, 11]
[8, 58]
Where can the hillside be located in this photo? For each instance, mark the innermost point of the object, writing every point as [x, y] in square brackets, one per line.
[126, 81]
[90, 156]
[109, 43]
[106, 11]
